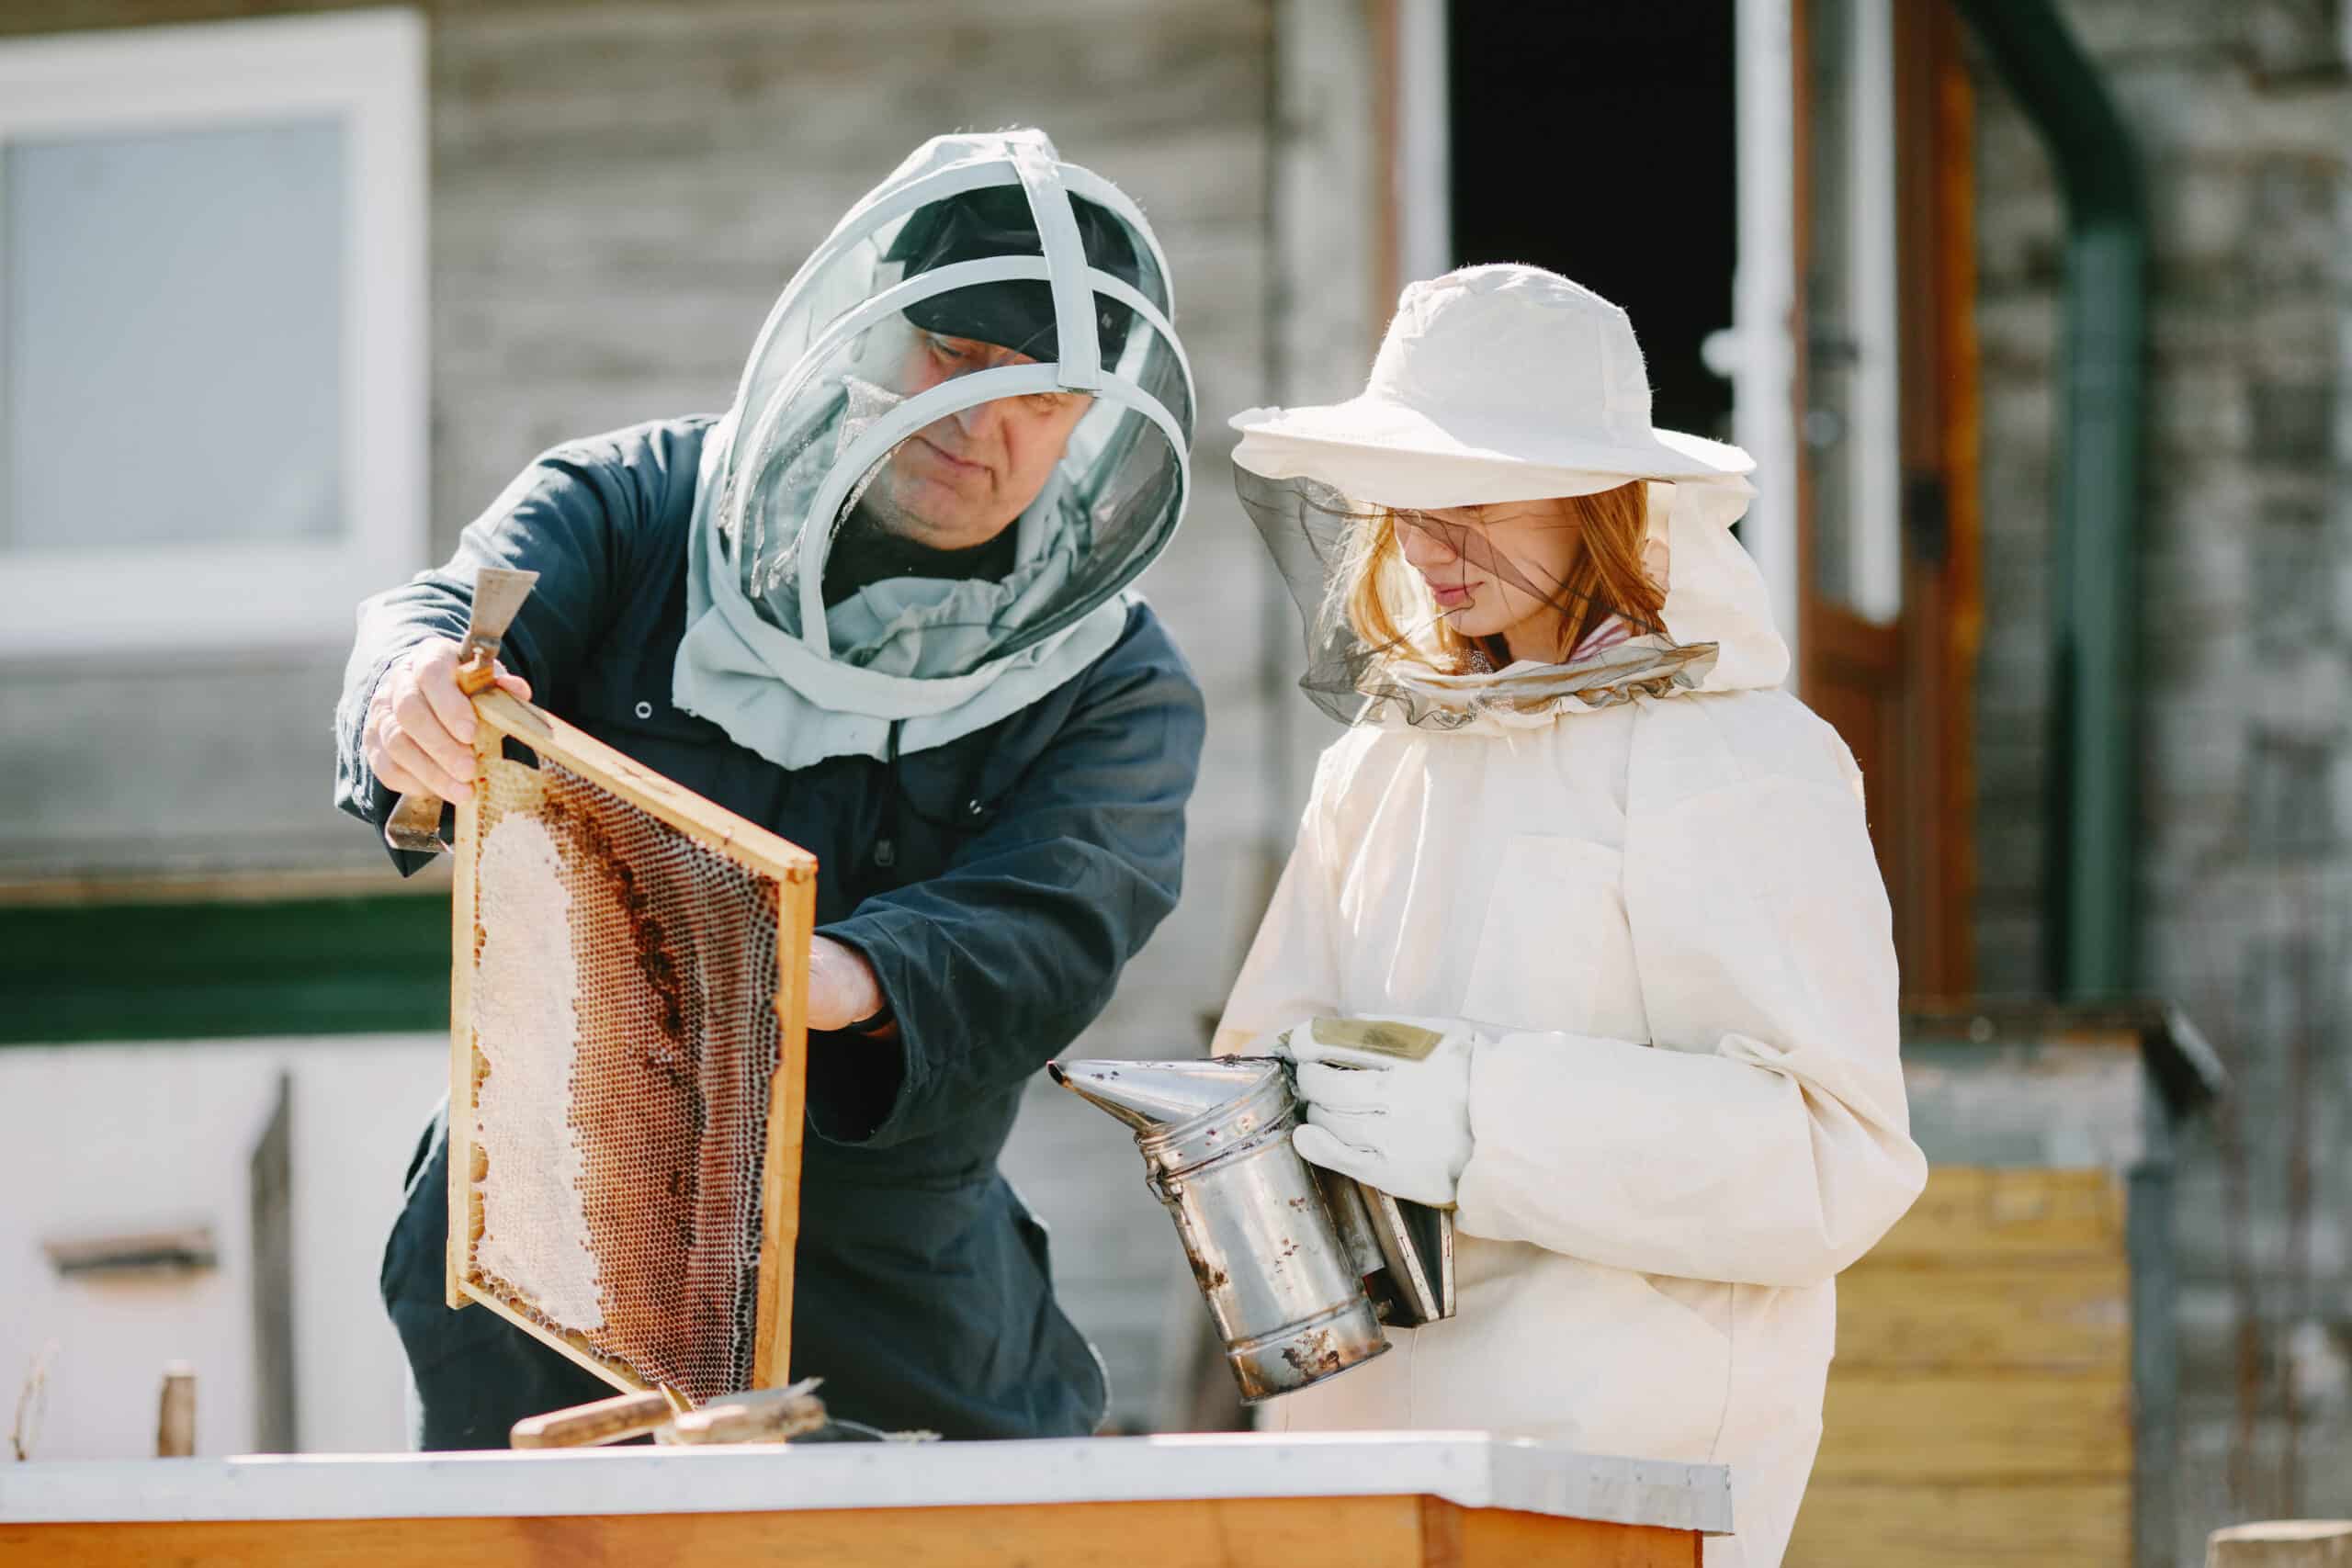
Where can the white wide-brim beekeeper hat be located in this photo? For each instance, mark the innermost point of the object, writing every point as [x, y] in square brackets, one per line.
[1493, 384]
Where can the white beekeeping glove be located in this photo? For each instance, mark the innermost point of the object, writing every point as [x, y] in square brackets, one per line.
[1388, 1101]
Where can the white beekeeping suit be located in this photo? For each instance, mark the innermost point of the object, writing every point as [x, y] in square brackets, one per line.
[1636, 890]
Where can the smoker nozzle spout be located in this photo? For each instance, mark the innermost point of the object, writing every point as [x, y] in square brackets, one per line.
[1147, 1094]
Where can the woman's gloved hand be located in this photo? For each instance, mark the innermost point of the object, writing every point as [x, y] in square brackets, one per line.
[1388, 1101]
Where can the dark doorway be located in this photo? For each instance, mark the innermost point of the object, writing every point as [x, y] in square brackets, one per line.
[1598, 141]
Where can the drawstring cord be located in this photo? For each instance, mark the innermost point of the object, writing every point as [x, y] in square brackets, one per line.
[885, 841]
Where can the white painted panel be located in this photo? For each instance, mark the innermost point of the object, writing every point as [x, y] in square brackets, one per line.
[111, 1138]
[361, 76]
[1761, 355]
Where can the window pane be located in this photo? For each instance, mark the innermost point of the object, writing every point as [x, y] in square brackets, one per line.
[173, 338]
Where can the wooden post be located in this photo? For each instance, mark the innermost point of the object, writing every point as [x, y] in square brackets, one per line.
[585, 1426]
[2282, 1543]
[272, 1166]
[176, 1422]
[787, 1109]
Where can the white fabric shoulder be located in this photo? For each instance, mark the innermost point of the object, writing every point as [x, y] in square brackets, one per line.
[1700, 742]
[1347, 786]
[1761, 1135]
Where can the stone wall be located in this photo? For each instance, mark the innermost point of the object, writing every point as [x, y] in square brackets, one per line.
[2244, 118]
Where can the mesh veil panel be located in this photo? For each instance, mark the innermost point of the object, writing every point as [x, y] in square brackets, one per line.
[1323, 544]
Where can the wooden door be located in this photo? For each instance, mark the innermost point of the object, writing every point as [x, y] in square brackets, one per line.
[1885, 419]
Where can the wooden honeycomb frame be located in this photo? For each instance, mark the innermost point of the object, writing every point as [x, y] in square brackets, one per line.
[753, 849]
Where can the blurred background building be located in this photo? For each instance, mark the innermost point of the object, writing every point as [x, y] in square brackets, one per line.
[287, 297]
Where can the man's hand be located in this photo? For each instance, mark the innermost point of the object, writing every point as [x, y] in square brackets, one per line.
[420, 736]
[842, 986]
[420, 733]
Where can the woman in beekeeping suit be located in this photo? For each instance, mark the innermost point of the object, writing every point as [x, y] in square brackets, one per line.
[1578, 831]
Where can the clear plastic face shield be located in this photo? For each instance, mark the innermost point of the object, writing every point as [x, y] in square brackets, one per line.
[971, 415]
[1446, 612]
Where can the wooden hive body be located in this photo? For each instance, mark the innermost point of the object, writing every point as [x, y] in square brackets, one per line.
[2007, 1373]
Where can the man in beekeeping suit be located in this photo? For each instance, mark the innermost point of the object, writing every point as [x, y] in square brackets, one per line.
[880, 607]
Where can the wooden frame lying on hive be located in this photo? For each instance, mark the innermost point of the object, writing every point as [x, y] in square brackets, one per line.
[694, 827]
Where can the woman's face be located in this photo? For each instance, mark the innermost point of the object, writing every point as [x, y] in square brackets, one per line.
[1497, 571]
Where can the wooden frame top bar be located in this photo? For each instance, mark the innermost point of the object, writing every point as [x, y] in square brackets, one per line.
[1472, 1470]
[741, 843]
[672, 802]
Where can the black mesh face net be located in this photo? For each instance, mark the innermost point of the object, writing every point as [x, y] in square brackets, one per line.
[1322, 544]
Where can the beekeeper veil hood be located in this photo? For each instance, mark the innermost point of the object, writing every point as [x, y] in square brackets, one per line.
[1499, 384]
[962, 434]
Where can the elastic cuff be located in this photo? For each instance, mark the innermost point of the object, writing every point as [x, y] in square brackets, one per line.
[860, 1085]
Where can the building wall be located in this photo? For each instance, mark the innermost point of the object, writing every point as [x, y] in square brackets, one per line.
[616, 195]
[130, 1138]
[607, 244]
[2243, 116]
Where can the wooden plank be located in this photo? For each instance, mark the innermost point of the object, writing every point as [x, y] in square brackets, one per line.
[701, 820]
[1319, 1532]
[1505, 1538]
[2054, 1525]
[1841, 640]
[271, 1197]
[2073, 1317]
[599, 1421]
[1949, 710]
[1964, 1426]
[1972, 1214]
[461, 1026]
[2281, 1543]
[1936, 819]
[224, 884]
[610, 1371]
[780, 1170]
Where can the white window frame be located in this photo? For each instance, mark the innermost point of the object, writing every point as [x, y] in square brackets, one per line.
[367, 69]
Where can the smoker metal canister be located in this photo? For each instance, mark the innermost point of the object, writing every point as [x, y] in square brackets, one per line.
[1286, 1294]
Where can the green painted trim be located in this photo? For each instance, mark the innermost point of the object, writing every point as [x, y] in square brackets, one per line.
[191, 971]
[2093, 936]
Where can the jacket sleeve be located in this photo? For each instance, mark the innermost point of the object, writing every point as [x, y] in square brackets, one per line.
[1762, 1137]
[1292, 972]
[997, 963]
[571, 517]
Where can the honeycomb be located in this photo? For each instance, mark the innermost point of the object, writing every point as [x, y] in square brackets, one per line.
[658, 1063]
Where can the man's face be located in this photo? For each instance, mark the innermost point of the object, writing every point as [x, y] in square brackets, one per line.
[958, 482]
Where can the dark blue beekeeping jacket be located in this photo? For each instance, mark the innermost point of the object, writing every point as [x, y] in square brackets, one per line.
[1029, 860]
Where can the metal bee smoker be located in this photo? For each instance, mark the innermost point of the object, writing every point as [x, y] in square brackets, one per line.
[1299, 1267]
